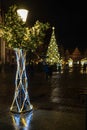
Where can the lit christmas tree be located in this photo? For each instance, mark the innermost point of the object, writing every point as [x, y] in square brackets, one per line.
[53, 56]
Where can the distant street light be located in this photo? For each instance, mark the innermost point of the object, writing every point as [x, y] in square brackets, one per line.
[23, 13]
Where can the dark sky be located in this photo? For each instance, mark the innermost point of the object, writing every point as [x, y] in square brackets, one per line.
[69, 19]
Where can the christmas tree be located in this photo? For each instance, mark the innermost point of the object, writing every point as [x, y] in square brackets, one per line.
[53, 56]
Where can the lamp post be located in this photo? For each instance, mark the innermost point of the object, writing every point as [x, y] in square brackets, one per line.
[2, 42]
[21, 102]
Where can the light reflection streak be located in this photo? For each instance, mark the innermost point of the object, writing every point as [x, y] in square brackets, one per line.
[55, 88]
[22, 121]
[55, 95]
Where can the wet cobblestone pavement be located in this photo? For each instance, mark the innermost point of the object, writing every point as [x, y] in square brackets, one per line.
[59, 103]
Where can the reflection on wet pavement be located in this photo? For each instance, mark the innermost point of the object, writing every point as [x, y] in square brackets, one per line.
[58, 102]
[54, 96]
[65, 89]
[22, 121]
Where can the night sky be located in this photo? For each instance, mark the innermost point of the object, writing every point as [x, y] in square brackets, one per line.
[68, 18]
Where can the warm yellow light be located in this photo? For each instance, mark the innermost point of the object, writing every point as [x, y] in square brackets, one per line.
[70, 62]
[23, 14]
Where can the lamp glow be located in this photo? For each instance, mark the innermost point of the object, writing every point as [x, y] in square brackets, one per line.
[23, 13]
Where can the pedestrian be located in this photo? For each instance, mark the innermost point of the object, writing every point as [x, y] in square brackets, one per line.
[50, 71]
[84, 67]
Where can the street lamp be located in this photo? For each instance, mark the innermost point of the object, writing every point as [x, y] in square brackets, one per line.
[21, 102]
[23, 13]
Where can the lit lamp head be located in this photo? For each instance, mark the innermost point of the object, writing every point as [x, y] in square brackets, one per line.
[23, 13]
